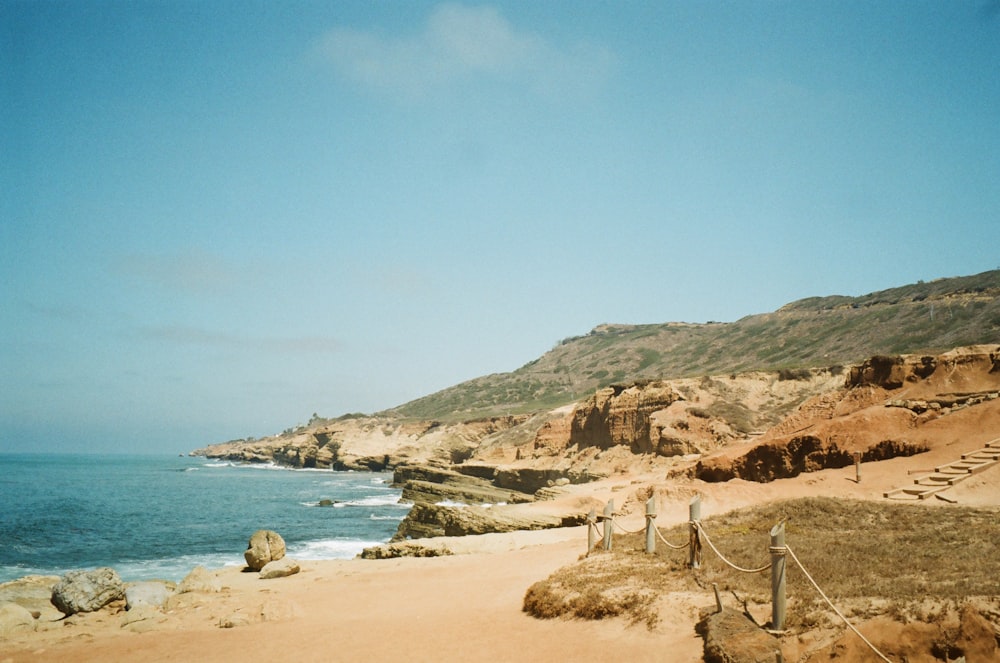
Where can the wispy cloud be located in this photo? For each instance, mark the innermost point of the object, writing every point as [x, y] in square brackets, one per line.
[195, 336]
[193, 272]
[457, 44]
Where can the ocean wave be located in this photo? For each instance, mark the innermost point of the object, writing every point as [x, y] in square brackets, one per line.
[396, 518]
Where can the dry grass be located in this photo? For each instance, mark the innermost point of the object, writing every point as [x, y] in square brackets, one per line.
[870, 557]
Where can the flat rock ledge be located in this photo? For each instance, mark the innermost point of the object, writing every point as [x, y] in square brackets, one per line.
[404, 549]
[431, 520]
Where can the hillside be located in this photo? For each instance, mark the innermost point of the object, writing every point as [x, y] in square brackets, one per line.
[925, 317]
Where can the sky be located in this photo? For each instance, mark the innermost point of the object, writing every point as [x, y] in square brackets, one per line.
[219, 218]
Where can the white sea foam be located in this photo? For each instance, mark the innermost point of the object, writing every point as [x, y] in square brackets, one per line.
[396, 518]
[375, 500]
[330, 549]
[174, 568]
[450, 503]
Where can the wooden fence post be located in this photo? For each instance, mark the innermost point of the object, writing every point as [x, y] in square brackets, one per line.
[609, 523]
[694, 541]
[857, 466]
[778, 577]
[591, 530]
[651, 525]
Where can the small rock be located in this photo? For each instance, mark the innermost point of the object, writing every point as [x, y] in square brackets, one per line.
[149, 593]
[279, 569]
[199, 580]
[234, 620]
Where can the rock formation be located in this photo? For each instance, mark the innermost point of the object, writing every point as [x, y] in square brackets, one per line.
[86, 591]
[620, 415]
[264, 546]
[427, 520]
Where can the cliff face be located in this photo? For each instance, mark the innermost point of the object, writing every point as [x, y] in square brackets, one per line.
[888, 406]
[620, 415]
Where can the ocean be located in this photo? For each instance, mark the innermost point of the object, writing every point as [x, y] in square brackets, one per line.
[157, 517]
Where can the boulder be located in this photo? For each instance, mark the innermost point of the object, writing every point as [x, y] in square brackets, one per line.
[15, 619]
[265, 546]
[279, 568]
[87, 591]
[153, 594]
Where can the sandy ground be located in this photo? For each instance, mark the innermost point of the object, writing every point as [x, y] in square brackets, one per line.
[465, 607]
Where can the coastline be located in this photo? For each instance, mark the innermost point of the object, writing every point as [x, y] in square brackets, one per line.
[466, 606]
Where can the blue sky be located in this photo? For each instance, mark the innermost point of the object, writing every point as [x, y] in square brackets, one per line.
[219, 218]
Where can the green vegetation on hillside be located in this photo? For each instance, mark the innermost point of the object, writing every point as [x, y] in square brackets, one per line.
[815, 332]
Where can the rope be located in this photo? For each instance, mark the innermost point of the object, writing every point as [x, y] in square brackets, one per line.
[670, 545]
[625, 531]
[830, 603]
[712, 546]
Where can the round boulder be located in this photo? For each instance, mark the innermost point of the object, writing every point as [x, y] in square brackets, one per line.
[265, 546]
[87, 591]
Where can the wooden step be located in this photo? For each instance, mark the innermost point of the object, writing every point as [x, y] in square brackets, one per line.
[982, 454]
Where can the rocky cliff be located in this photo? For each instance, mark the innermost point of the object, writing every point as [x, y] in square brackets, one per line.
[477, 476]
[888, 406]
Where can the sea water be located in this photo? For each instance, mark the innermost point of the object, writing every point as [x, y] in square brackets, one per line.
[160, 516]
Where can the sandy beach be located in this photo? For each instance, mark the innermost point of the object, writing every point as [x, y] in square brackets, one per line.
[462, 607]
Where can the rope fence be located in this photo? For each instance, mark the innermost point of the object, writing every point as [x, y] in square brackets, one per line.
[704, 535]
[778, 551]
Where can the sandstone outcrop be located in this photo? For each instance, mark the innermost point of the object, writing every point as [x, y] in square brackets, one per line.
[426, 484]
[265, 546]
[87, 591]
[366, 443]
[866, 416]
[33, 593]
[620, 415]
[15, 619]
